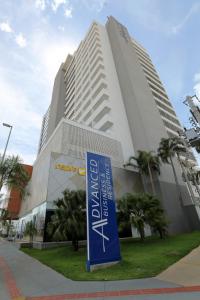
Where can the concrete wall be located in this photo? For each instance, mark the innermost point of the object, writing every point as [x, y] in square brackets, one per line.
[145, 122]
[59, 179]
[181, 219]
[72, 140]
[37, 188]
[121, 130]
[78, 139]
[57, 106]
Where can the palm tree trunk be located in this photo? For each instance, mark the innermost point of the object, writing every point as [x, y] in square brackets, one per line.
[31, 238]
[151, 180]
[176, 181]
[197, 190]
[142, 233]
[161, 233]
[8, 227]
[197, 187]
[190, 188]
[75, 244]
[187, 181]
[1, 182]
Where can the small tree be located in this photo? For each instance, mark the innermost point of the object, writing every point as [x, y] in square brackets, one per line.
[191, 175]
[5, 219]
[30, 230]
[131, 207]
[146, 162]
[168, 148]
[141, 209]
[159, 224]
[155, 216]
[12, 174]
[195, 179]
[69, 220]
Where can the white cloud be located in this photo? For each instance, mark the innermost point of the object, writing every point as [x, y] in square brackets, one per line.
[56, 3]
[22, 104]
[193, 10]
[17, 110]
[148, 14]
[50, 51]
[20, 40]
[61, 28]
[68, 12]
[96, 5]
[5, 26]
[151, 15]
[197, 77]
[197, 84]
[41, 4]
[25, 158]
[16, 107]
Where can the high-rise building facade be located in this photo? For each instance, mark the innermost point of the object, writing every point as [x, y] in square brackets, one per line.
[167, 113]
[92, 92]
[88, 87]
[108, 98]
[43, 134]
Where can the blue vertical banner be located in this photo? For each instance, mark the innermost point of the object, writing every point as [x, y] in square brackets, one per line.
[102, 233]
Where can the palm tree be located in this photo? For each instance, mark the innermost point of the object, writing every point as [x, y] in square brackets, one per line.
[12, 174]
[191, 175]
[194, 177]
[69, 220]
[196, 180]
[168, 148]
[30, 230]
[141, 209]
[146, 162]
[131, 211]
[5, 219]
[155, 216]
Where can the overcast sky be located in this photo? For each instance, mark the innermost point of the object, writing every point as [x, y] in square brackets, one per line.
[37, 35]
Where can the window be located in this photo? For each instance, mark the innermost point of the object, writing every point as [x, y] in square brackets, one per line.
[162, 105]
[98, 90]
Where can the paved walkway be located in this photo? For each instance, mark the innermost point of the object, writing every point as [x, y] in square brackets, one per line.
[186, 271]
[23, 277]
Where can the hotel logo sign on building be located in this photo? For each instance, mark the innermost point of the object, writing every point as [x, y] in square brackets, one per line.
[68, 168]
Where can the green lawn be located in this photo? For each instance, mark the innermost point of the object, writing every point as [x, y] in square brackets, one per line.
[139, 260]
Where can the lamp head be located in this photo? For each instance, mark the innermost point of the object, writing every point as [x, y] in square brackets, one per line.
[7, 125]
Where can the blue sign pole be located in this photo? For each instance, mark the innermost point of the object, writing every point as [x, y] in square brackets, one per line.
[102, 234]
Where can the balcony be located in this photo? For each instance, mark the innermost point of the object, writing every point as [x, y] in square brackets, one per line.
[104, 123]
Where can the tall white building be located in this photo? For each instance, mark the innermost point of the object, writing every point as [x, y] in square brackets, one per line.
[162, 101]
[107, 98]
[92, 94]
[43, 135]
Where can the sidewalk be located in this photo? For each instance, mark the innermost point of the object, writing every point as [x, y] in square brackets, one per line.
[186, 271]
[23, 277]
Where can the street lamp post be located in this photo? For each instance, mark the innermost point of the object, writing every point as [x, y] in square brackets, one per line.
[3, 157]
[9, 126]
